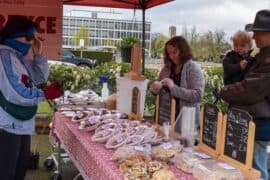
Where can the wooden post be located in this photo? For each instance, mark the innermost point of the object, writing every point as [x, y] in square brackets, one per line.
[136, 64]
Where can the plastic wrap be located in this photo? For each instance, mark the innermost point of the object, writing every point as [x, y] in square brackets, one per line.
[186, 161]
[166, 151]
[214, 170]
[125, 152]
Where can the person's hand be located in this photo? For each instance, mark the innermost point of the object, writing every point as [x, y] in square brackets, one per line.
[156, 85]
[167, 82]
[37, 46]
[54, 90]
[243, 64]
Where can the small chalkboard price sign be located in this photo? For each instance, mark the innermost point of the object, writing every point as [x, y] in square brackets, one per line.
[135, 104]
[165, 107]
[238, 141]
[211, 128]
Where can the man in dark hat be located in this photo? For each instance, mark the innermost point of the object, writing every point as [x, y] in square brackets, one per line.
[253, 93]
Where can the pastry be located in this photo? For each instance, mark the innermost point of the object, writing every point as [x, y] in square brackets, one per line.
[102, 136]
[79, 116]
[116, 141]
[164, 175]
[134, 140]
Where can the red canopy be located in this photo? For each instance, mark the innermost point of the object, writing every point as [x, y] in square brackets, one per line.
[128, 4]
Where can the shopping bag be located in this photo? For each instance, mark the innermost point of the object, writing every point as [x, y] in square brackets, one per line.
[185, 124]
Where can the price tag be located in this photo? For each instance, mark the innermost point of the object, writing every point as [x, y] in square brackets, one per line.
[188, 150]
[202, 155]
[226, 166]
[166, 145]
[139, 148]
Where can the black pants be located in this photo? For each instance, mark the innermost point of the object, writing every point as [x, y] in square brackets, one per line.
[14, 155]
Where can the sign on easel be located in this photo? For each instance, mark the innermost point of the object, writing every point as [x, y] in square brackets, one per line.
[211, 127]
[165, 107]
[238, 141]
[135, 104]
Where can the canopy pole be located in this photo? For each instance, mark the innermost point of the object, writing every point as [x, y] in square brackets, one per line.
[143, 40]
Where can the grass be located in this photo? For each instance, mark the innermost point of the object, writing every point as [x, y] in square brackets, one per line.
[44, 148]
[44, 107]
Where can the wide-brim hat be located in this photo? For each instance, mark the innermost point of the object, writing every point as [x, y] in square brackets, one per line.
[261, 22]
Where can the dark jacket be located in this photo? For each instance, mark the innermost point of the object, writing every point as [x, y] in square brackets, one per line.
[253, 92]
[231, 66]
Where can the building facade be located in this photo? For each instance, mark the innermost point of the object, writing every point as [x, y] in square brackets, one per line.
[105, 28]
[172, 31]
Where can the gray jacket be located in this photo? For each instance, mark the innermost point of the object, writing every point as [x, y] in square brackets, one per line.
[192, 86]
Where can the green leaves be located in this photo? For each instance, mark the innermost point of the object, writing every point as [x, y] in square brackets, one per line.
[129, 42]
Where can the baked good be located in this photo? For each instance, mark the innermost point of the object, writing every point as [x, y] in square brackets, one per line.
[134, 140]
[165, 151]
[102, 136]
[116, 141]
[164, 175]
[153, 166]
[125, 152]
[211, 170]
[79, 116]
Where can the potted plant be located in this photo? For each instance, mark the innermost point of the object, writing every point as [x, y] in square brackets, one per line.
[126, 46]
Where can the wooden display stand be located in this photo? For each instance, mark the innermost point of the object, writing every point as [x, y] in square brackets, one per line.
[237, 144]
[211, 127]
[135, 104]
[165, 108]
[135, 74]
[136, 64]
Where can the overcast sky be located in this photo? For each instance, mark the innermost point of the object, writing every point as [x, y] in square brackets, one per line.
[229, 15]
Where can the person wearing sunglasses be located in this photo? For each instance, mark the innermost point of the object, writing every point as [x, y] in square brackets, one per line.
[19, 96]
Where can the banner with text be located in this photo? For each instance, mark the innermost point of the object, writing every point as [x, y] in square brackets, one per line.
[47, 14]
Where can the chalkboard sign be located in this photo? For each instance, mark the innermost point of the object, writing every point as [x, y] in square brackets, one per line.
[210, 125]
[237, 145]
[165, 109]
[211, 130]
[135, 100]
[236, 135]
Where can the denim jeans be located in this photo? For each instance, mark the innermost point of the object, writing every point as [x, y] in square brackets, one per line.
[260, 158]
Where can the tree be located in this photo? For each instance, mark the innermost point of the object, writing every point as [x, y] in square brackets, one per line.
[82, 33]
[158, 44]
[206, 46]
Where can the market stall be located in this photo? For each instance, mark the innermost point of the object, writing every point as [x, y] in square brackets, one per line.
[91, 158]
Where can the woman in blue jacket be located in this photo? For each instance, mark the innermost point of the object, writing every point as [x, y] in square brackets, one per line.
[19, 95]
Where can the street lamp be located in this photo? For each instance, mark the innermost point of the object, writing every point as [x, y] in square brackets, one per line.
[81, 44]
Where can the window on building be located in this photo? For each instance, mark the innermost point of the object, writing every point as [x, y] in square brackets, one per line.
[123, 25]
[65, 22]
[72, 22]
[136, 27]
[92, 23]
[65, 31]
[117, 25]
[147, 28]
[129, 26]
[98, 24]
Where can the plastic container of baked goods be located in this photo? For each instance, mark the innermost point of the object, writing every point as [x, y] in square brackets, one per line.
[186, 161]
[216, 170]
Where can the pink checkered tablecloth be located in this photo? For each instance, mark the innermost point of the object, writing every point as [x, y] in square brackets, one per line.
[92, 159]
